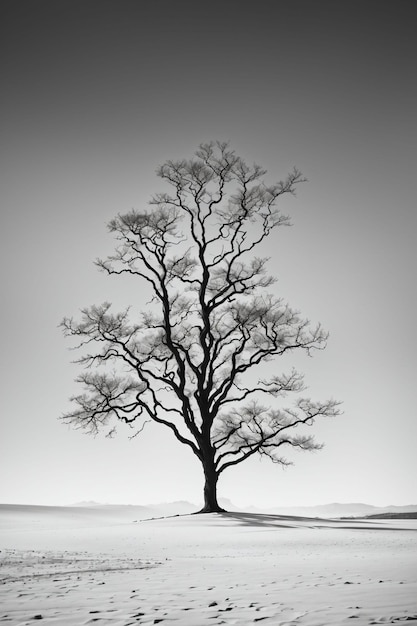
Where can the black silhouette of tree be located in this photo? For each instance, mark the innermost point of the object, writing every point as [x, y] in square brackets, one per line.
[186, 362]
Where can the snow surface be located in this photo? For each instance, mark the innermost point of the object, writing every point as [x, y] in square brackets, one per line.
[73, 566]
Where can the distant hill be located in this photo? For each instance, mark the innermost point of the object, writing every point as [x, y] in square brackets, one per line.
[84, 512]
[337, 509]
[182, 507]
[405, 515]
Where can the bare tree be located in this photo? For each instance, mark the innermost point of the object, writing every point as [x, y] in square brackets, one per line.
[187, 362]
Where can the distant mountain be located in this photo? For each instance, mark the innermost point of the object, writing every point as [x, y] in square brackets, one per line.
[228, 505]
[328, 510]
[161, 509]
[138, 511]
[391, 515]
[337, 509]
[116, 510]
[126, 513]
[325, 510]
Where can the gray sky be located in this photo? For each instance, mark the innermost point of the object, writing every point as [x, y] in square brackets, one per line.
[95, 95]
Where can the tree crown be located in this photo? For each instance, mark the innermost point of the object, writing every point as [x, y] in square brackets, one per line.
[188, 361]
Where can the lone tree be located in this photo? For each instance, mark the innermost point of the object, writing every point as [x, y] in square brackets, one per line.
[187, 362]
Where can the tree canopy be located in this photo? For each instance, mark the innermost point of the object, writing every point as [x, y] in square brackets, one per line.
[189, 360]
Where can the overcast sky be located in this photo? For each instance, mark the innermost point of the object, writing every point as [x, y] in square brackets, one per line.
[96, 94]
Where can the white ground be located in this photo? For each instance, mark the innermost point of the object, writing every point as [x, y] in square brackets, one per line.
[69, 567]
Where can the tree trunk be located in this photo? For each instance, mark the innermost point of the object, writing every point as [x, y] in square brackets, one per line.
[210, 488]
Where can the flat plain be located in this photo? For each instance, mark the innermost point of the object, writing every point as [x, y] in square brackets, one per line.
[74, 566]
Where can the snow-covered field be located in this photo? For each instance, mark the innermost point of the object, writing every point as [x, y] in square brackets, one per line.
[69, 566]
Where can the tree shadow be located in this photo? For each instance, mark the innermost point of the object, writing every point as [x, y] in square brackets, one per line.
[271, 521]
[265, 520]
